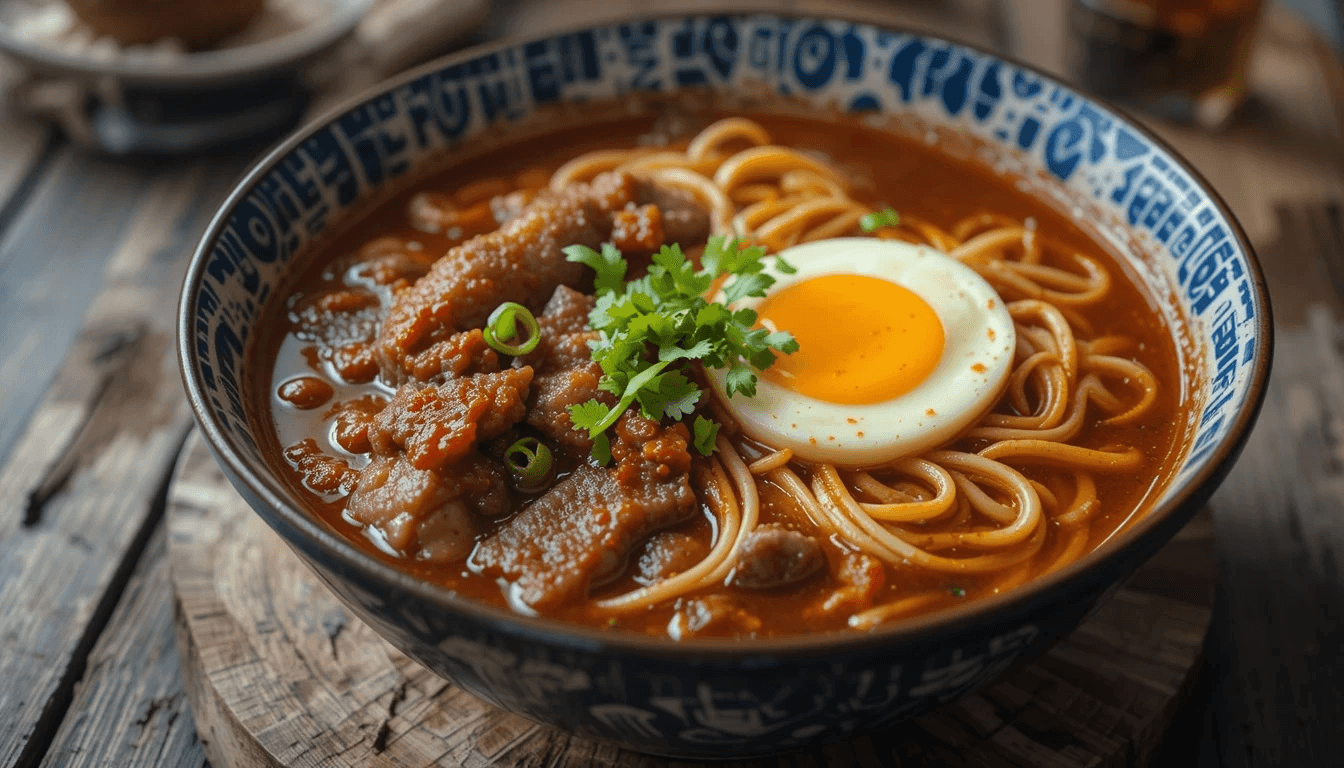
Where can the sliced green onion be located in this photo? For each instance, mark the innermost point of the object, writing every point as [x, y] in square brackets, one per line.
[883, 218]
[502, 326]
[957, 592]
[530, 462]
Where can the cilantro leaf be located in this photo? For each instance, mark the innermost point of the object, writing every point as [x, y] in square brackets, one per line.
[886, 217]
[782, 341]
[677, 395]
[724, 256]
[587, 415]
[608, 265]
[705, 433]
[699, 350]
[740, 379]
[747, 286]
[712, 314]
[602, 449]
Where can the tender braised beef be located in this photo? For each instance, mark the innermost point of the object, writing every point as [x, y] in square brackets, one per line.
[427, 481]
[582, 530]
[508, 207]
[438, 424]
[774, 556]
[351, 421]
[684, 221]
[320, 472]
[565, 372]
[342, 326]
[458, 355]
[428, 513]
[638, 230]
[522, 262]
[667, 554]
[389, 264]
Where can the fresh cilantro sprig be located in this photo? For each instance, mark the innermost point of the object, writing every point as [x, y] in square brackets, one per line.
[649, 324]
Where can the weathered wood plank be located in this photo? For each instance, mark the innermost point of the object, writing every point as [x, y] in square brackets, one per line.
[52, 260]
[280, 674]
[28, 146]
[1281, 535]
[78, 488]
[130, 710]
[1280, 166]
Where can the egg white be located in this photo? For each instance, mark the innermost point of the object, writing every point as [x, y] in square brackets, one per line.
[976, 327]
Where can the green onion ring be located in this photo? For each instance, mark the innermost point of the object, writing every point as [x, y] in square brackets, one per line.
[502, 326]
[871, 222]
[534, 470]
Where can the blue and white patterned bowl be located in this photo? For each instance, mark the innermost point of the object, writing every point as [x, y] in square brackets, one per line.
[725, 698]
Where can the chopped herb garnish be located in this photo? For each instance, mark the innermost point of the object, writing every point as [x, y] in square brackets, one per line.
[651, 323]
[502, 327]
[879, 219]
[705, 432]
[957, 592]
[530, 462]
[601, 448]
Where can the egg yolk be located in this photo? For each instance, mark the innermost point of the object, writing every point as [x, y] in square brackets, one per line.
[861, 339]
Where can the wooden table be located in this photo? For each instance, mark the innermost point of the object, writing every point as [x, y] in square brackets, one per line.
[92, 417]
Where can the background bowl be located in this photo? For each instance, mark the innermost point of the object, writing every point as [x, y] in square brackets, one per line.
[148, 99]
[723, 698]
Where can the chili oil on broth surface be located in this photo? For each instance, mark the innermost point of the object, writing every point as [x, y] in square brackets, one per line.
[913, 179]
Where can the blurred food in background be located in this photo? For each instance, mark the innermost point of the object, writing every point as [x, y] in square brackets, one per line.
[196, 23]
[173, 76]
[1182, 59]
[160, 30]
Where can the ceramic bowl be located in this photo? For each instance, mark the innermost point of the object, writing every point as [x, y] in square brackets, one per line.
[148, 99]
[723, 698]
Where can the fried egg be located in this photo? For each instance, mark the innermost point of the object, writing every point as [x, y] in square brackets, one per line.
[900, 349]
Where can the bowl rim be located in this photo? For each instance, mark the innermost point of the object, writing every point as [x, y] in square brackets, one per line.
[315, 535]
[196, 68]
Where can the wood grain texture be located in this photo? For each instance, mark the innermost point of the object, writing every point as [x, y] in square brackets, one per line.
[28, 145]
[130, 710]
[1273, 654]
[52, 260]
[280, 674]
[1278, 699]
[79, 487]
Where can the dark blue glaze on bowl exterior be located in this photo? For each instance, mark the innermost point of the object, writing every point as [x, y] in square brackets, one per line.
[721, 698]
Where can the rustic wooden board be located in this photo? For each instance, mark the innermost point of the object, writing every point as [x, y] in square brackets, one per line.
[80, 484]
[280, 674]
[28, 145]
[1278, 673]
[1278, 634]
[132, 709]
